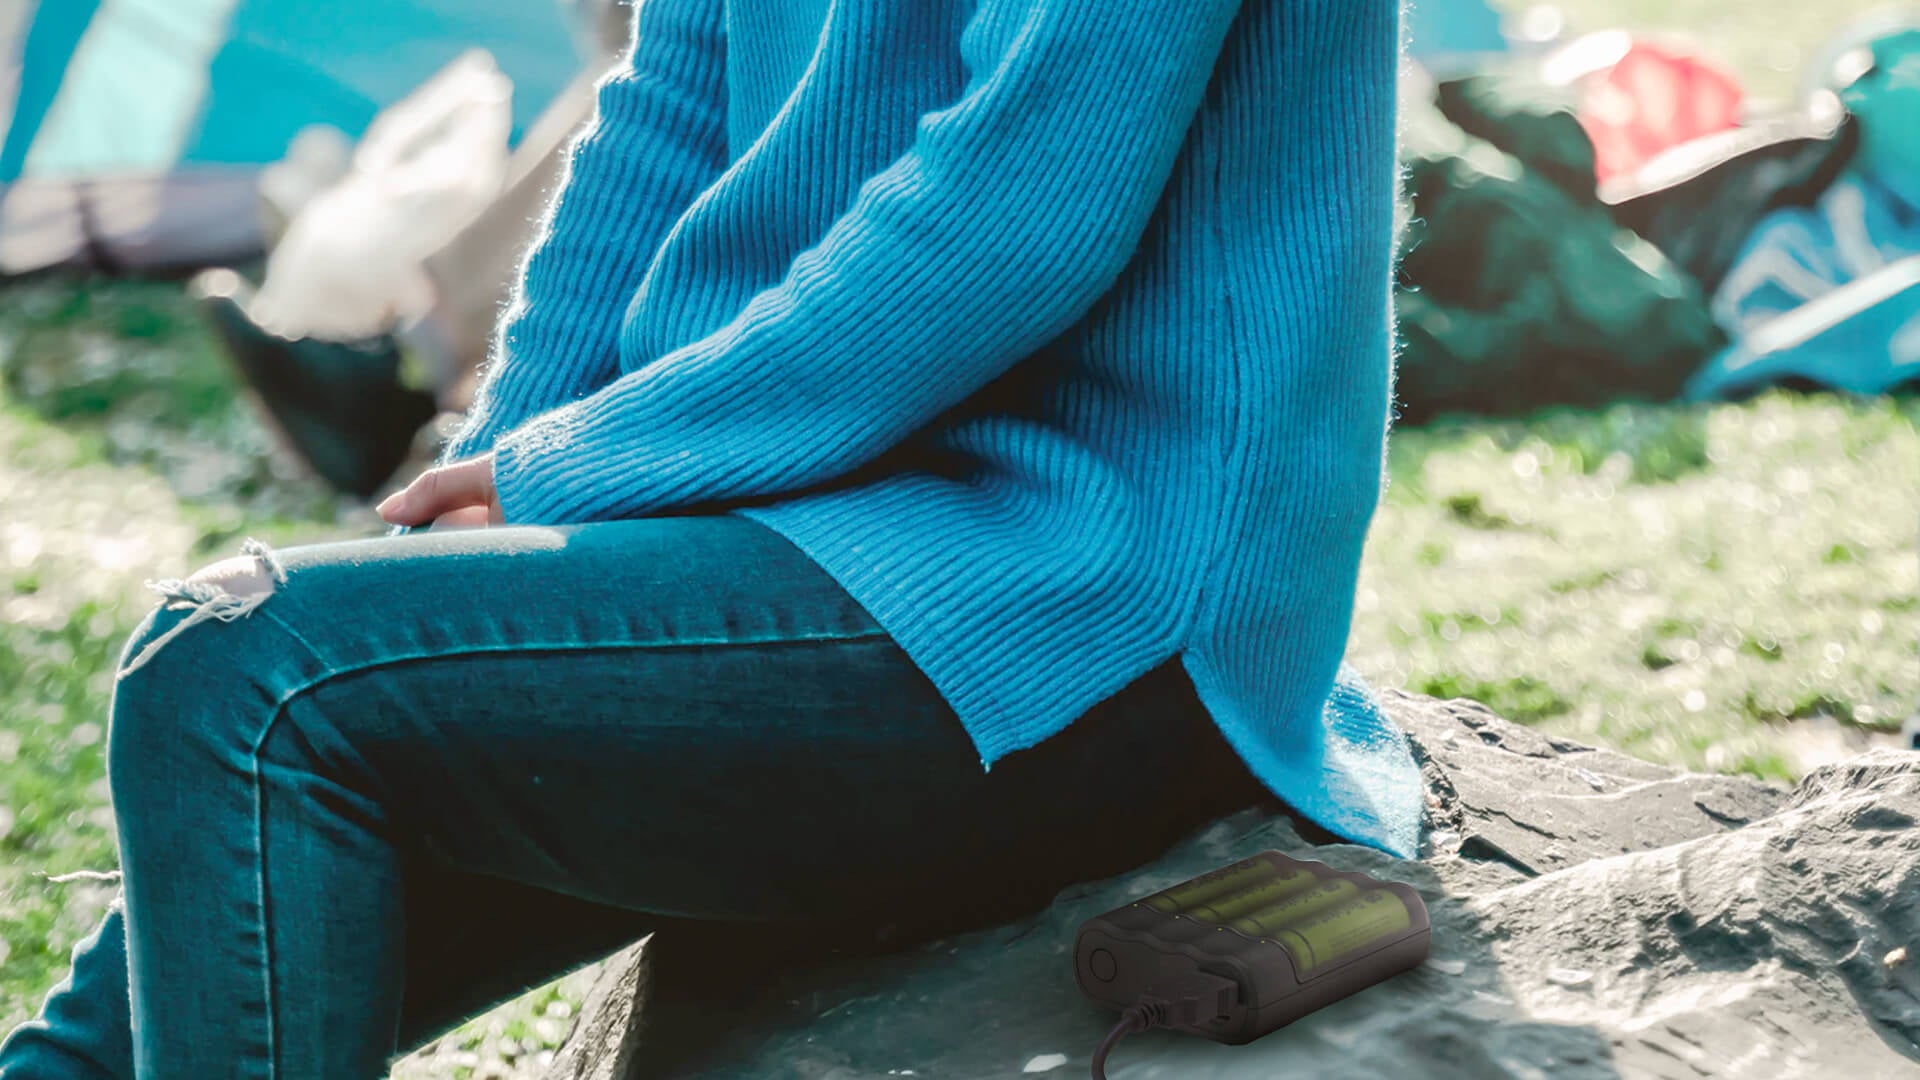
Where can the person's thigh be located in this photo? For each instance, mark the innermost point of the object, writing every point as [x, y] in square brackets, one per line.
[682, 717]
[686, 716]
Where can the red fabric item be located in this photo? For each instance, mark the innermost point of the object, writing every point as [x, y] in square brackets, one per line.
[1654, 99]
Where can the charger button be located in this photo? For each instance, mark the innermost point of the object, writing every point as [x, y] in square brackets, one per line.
[1101, 963]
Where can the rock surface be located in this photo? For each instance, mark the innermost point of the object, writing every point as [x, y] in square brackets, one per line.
[1593, 916]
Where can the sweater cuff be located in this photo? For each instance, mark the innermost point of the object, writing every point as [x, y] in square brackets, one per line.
[533, 472]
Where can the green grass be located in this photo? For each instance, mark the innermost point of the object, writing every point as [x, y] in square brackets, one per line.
[1687, 584]
[1728, 588]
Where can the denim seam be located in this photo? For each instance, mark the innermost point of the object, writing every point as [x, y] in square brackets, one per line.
[333, 672]
[296, 635]
[575, 646]
[267, 988]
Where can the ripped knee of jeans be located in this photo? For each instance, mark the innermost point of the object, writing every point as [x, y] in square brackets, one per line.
[226, 591]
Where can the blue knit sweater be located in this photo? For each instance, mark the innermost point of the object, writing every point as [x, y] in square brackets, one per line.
[1056, 331]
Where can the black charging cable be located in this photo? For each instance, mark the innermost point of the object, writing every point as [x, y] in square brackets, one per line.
[1190, 998]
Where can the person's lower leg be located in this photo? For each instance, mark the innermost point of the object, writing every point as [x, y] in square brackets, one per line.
[83, 1031]
[264, 916]
[472, 942]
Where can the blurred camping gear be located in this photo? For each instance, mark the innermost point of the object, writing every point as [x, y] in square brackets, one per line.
[1518, 288]
[341, 408]
[330, 376]
[389, 268]
[1828, 295]
[1642, 98]
[1699, 202]
[138, 127]
[1614, 220]
[348, 265]
[1862, 337]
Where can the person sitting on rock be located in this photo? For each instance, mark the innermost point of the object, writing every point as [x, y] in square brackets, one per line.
[926, 465]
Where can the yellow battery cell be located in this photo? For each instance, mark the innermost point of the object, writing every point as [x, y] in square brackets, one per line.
[1283, 884]
[1227, 879]
[1264, 922]
[1372, 917]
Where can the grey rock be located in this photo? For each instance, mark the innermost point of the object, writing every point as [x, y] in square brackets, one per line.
[605, 1040]
[1593, 916]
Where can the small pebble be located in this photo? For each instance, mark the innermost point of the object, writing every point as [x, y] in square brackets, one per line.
[1045, 1063]
[1592, 779]
[1895, 958]
[1569, 976]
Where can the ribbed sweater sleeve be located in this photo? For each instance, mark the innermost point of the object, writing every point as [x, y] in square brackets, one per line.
[1014, 209]
[657, 140]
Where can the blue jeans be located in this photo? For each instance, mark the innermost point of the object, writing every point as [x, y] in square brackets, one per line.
[427, 772]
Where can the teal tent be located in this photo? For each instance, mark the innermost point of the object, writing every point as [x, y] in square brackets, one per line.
[1452, 36]
[135, 128]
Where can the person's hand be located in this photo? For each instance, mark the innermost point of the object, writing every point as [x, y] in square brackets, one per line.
[459, 495]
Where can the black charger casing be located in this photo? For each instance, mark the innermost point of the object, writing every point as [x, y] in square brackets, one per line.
[1284, 970]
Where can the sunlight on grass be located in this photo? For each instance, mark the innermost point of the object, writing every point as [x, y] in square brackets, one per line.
[1680, 583]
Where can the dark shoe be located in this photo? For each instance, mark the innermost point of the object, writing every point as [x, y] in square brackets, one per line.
[340, 407]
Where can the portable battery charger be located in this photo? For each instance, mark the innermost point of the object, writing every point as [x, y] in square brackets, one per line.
[1237, 953]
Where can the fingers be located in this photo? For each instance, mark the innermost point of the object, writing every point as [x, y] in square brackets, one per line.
[440, 490]
[467, 517]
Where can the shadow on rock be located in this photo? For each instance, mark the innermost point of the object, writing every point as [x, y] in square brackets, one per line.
[1593, 916]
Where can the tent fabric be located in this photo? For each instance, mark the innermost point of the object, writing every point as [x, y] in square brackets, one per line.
[1826, 296]
[136, 125]
[1452, 35]
[127, 91]
[134, 223]
[1700, 202]
[52, 34]
[1862, 337]
[117, 86]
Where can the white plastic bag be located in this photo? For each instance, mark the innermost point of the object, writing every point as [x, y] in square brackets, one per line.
[349, 266]
[318, 158]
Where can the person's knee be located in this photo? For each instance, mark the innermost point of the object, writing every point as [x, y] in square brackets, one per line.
[172, 702]
[225, 591]
[242, 575]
